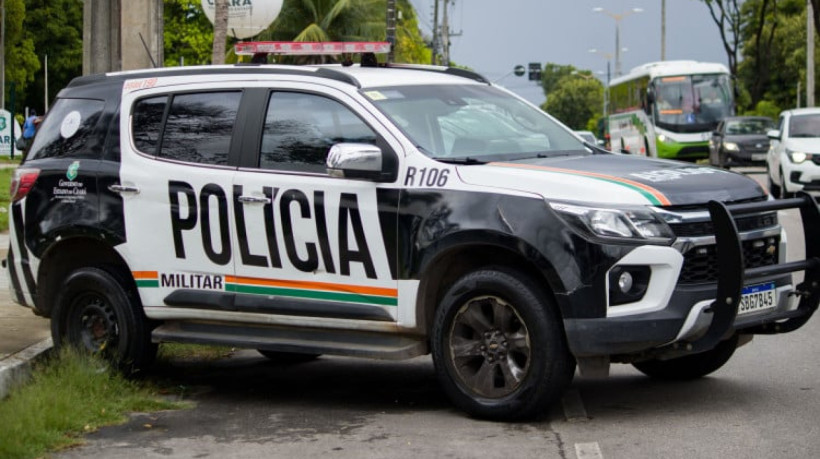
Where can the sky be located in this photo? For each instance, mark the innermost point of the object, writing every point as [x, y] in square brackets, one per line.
[494, 36]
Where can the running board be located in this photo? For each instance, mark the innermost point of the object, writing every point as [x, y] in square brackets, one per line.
[312, 341]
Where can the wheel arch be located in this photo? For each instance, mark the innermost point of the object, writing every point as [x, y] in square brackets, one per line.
[69, 254]
[451, 262]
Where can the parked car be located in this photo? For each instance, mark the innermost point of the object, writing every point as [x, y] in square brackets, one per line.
[740, 141]
[589, 137]
[793, 160]
[387, 211]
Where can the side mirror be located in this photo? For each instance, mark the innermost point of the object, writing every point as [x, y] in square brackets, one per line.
[356, 160]
[774, 134]
[650, 96]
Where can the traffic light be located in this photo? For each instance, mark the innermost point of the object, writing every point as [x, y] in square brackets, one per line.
[535, 71]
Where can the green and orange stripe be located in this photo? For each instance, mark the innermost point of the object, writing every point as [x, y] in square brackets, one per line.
[653, 195]
[146, 278]
[313, 290]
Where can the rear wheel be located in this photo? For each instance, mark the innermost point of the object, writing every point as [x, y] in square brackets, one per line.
[95, 313]
[498, 346]
[692, 366]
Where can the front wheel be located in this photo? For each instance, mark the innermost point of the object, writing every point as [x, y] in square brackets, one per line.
[95, 313]
[692, 366]
[498, 346]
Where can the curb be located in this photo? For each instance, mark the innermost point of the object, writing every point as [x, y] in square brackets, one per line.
[16, 368]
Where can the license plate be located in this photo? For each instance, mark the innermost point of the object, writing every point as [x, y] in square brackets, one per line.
[758, 156]
[757, 298]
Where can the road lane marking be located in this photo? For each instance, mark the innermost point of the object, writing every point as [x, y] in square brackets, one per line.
[588, 451]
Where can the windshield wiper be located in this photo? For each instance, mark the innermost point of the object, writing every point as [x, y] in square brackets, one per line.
[460, 160]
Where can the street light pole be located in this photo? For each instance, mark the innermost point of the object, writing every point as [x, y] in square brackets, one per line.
[618, 17]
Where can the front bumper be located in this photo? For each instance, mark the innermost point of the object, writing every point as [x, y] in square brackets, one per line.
[802, 177]
[696, 318]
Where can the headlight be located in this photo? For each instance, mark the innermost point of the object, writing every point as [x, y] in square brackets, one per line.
[730, 146]
[798, 157]
[664, 139]
[625, 223]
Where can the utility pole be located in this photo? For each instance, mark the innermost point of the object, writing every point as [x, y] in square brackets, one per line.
[435, 33]
[391, 29]
[663, 30]
[445, 36]
[809, 54]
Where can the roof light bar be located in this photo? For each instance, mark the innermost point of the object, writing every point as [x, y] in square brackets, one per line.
[304, 48]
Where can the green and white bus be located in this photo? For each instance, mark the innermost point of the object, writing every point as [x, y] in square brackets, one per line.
[669, 109]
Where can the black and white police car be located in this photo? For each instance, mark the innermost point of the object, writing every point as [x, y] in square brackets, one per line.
[388, 211]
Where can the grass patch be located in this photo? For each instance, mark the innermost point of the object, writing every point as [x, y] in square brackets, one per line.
[70, 394]
[170, 352]
[5, 182]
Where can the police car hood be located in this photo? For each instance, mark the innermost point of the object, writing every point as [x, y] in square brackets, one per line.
[615, 179]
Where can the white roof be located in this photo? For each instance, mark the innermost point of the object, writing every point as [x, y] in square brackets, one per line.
[373, 77]
[671, 68]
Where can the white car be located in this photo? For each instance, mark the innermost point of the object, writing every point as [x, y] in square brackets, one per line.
[793, 161]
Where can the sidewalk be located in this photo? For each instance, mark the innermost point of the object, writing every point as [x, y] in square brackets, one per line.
[23, 335]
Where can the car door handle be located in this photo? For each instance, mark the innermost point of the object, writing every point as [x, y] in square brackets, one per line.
[123, 189]
[253, 200]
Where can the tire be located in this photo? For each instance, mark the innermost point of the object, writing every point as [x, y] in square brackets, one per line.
[692, 366]
[774, 189]
[96, 314]
[288, 357]
[784, 194]
[499, 348]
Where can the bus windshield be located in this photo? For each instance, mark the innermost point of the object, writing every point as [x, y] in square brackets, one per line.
[692, 103]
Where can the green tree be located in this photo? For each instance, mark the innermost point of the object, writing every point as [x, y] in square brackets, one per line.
[410, 45]
[552, 74]
[576, 100]
[188, 34]
[55, 27]
[329, 20]
[20, 58]
[774, 53]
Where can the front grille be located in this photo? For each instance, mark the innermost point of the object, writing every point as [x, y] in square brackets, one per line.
[815, 158]
[744, 224]
[700, 263]
[693, 152]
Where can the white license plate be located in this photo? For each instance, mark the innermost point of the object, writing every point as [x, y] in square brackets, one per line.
[758, 156]
[757, 298]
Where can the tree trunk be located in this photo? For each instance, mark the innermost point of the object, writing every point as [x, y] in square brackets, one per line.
[220, 31]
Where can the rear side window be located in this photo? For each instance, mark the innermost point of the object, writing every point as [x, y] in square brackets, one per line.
[190, 127]
[69, 131]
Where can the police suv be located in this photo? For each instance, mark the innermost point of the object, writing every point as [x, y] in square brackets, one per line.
[388, 211]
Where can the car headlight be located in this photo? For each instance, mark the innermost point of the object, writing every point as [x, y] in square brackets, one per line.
[798, 157]
[730, 146]
[621, 224]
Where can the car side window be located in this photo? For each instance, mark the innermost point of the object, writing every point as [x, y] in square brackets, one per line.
[146, 123]
[199, 127]
[300, 128]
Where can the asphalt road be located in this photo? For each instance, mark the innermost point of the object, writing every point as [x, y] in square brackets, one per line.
[764, 403]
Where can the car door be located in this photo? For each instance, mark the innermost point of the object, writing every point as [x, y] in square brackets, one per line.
[311, 245]
[177, 169]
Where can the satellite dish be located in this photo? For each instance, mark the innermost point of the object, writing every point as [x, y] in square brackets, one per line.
[246, 18]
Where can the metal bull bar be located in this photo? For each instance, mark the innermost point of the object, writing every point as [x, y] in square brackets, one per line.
[731, 279]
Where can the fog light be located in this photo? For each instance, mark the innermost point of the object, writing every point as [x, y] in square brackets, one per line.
[628, 284]
[625, 282]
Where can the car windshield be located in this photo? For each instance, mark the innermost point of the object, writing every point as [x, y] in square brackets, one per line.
[804, 125]
[473, 123]
[750, 126]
